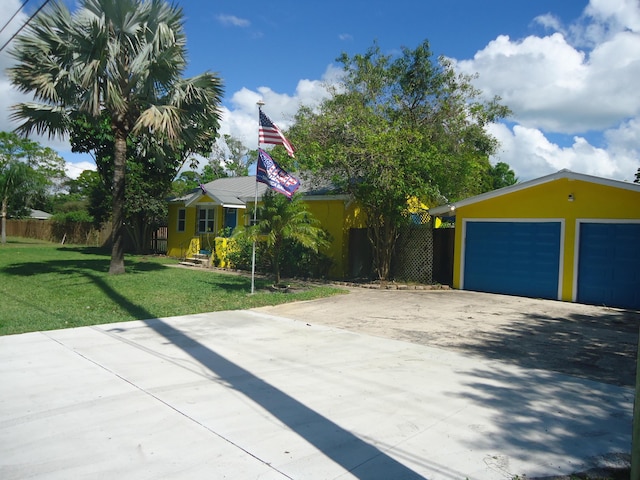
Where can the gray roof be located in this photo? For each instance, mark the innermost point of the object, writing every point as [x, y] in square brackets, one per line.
[228, 192]
[40, 215]
[235, 192]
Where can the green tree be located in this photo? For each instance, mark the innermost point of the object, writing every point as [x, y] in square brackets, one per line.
[498, 176]
[184, 183]
[280, 222]
[150, 166]
[122, 57]
[16, 181]
[637, 180]
[397, 128]
[45, 174]
[83, 184]
[43, 160]
[232, 155]
[212, 170]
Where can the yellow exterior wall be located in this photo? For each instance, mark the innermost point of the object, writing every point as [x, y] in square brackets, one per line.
[551, 200]
[336, 215]
[186, 244]
[337, 218]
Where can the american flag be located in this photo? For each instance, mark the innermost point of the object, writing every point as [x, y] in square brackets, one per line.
[269, 133]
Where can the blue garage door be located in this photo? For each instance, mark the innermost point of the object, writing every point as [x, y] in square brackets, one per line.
[609, 264]
[516, 258]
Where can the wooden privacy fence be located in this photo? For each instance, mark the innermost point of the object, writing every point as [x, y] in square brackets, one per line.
[80, 233]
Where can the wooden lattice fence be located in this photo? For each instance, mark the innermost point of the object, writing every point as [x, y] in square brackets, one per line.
[413, 255]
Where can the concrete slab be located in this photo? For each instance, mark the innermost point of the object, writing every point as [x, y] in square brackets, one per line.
[252, 395]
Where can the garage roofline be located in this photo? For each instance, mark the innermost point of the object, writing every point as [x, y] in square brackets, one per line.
[449, 209]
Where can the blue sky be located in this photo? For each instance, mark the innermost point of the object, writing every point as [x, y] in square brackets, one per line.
[278, 43]
[568, 69]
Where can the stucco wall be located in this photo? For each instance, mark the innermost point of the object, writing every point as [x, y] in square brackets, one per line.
[566, 199]
[184, 244]
[336, 215]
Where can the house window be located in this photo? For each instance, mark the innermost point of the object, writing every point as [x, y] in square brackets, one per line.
[206, 218]
[182, 219]
[230, 219]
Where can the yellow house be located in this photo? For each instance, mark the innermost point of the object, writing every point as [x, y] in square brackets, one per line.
[565, 236]
[196, 218]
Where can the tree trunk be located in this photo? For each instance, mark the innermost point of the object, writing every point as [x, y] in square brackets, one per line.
[117, 235]
[383, 238]
[276, 264]
[140, 233]
[5, 201]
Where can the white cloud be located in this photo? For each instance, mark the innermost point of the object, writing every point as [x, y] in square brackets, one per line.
[549, 21]
[233, 21]
[530, 154]
[580, 79]
[240, 120]
[549, 84]
[607, 17]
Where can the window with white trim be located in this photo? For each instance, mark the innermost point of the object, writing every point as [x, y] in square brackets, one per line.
[206, 220]
[182, 219]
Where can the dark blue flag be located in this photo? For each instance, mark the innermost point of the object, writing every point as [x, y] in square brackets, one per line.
[269, 172]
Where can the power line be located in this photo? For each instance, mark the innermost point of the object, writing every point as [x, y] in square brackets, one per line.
[23, 25]
[14, 15]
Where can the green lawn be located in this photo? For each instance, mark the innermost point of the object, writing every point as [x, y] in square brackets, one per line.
[46, 286]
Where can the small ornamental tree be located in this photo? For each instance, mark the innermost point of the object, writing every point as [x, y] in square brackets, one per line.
[281, 222]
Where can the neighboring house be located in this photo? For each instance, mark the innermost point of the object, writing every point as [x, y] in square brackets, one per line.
[39, 215]
[565, 236]
[196, 218]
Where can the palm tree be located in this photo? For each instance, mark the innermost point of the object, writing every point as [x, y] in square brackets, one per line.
[281, 220]
[123, 57]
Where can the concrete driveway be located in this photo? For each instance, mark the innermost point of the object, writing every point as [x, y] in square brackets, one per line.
[587, 341]
[354, 386]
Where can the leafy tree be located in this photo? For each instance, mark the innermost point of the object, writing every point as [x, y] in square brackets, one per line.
[33, 183]
[212, 170]
[124, 58]
[232, 155]
[83, 184]
[149, 168]
[498, 176]
[16, 181]
[395, 129]
[185, 182]
[48, 175]
[637, 180]
[281, 222]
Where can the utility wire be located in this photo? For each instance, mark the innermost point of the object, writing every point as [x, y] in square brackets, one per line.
[14, 15]
[23, 25]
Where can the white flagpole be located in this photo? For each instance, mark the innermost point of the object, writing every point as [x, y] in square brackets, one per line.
[255, 212]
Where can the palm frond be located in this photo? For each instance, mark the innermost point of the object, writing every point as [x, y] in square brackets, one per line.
[41, 119]
[163, 119]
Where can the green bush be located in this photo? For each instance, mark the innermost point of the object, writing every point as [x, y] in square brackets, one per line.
[240, 256]
[297, 261]
[74, 216]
